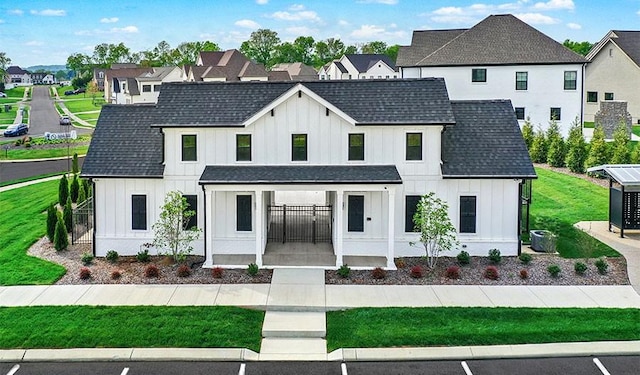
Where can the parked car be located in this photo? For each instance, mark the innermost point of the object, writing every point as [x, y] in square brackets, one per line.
[70, 92]
[2, 95]
[16, 130]
[79, 91]
[65, 120]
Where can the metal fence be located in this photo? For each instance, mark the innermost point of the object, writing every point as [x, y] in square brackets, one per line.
[83, 223]
[310, 224]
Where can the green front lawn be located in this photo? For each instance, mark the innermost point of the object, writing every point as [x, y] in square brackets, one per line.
[636, 130]
[23, 218]
[82, 103]
[457, 326]
[559, 201]
[62, 89]
[130, 327]
[589, 124]
[31, 153]
[7, 118]
[32, 178]
[16, 92]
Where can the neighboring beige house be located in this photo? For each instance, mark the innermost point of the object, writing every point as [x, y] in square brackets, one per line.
[224, 66]
[360, 66]
[296, 71]
[613, 73]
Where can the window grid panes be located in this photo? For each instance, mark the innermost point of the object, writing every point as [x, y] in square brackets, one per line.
[522, 80]
[570, 80]
[520, 113]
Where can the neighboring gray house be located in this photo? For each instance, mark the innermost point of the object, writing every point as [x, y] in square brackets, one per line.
[360, 66]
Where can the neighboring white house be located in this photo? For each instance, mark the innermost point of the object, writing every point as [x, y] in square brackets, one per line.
[502, 57]
[231, 147]
[613, 73]
[143, 87]
[359, 66]
[18, 76]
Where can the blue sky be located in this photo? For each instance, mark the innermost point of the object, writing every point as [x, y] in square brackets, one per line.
[47, 31]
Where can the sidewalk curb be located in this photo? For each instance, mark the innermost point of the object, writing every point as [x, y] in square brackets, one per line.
[127, 354]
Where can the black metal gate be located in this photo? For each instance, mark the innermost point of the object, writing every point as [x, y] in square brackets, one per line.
[82, 222]
[310, 224]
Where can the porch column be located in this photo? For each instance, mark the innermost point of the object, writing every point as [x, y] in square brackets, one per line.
[208, 232]
[338, 214]
[259, 224]
[391, 192]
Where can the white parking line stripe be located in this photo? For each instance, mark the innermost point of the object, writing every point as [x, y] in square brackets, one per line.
[13, 370]
[343, 367]
[601, 367]
[125, 371]
[242, 366]
[466, 368]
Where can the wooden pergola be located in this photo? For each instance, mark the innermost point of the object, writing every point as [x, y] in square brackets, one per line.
[624, 194]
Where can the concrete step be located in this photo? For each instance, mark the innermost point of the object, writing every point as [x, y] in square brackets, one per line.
[294, 324]
[293, 349]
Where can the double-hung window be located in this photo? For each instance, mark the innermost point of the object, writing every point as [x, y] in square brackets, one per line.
[189, 147]
[570, 80]
[414, 146]
[522, 80]
[356, 146]
[243, 147]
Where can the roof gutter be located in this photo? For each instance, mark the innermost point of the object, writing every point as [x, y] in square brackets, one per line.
[489, 176]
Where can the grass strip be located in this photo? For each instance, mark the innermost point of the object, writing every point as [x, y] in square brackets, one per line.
[559, 201]
[23, 218]
[32, 178]
[33, 153]
[130, 326]
[458, 326]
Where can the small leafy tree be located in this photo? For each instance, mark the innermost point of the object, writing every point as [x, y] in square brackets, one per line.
[67, 215]
[74, 189]
[576, 148]
[60, 240]
[598, 150]
[63, 190]
[538, 150]
[621, 153]
[527, 132]
[170, 231]
[52, 220]
[74, 164]
[437, 233]
[82, 196]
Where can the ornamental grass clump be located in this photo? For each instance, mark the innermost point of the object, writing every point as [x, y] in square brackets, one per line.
[491, 273]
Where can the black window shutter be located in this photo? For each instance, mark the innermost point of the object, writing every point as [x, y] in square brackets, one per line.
[356, 213]
[192, 202]
[243, 213]
[467, 214]
[411, 206]
[139, 212]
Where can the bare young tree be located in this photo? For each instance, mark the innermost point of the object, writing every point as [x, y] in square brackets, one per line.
[437, 233]
[171, 231]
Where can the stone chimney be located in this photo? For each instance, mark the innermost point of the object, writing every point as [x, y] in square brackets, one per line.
[611, 113]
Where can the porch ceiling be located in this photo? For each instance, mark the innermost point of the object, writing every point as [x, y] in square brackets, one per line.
[300, 174]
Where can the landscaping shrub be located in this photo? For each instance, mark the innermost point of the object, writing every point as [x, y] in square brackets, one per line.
[524, 274]
[554, 270]
[27, 144]
[598, 149]
[491, 273]
[82, 194]
[67, 215]
[151, 271]
[217, 272]
[494, 256]
[525, 258]
[52, 220]
[527, 132]
[580, 268]
[18, 142]
[85, 273]
[87, 258]
[400, 262]
[577, 148]
[63, 190]
[378, 273]
[252, 269]
[416, 272]
[143, 256]
[538, 150]
[74, 189]
[621, 153]
[112, 256]
[344, 271]
[453, 272]
[74, 164]
[60, 239]
[602, 266]
[463, 258]
[556, 152]
[115, 275]
[183, 271]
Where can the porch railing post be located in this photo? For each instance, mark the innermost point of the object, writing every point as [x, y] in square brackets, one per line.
[313, 227]
[284, 223]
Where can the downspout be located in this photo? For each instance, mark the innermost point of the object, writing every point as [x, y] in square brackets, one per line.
[519, 229]
[204, 195]
[584, 67]
[93, 208]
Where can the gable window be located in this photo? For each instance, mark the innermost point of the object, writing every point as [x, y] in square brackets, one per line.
[356, 146]
[139, 212]
[414, 146]
[355, 222]
[189, 147]
[478, 75]
[555, 114]
[592, 96]
[467, 214]
[299, 147]
[522, 80]
[243, 147]
[410, 208]
[570, 80]
[243, 213]
[520, 113]
[156, 88]
[146, 88]
[192, 205]
[608, 96]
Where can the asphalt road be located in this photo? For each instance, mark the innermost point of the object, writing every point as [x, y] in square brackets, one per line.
[14, 171]
[622, 365]
[44, 117]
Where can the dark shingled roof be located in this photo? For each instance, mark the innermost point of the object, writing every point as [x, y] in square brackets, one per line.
[496, 40]
[300, 174]
[368, 102]
[124, 145]
[363, 61]
[485, 142]
[424, 43]
[629, 42]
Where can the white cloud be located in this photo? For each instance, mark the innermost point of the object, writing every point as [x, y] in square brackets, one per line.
[374, 32]
[304, 15]
[296, 7]
[262, 2]
[473, 13]
[114, 30]
[574, 26]
[33, 43]
[126, 30]
[536, 19]
[386, 2]
[249, 24]
[109, 20]
[555, 4]
[17, 12]
[50, 12]
[346, 23]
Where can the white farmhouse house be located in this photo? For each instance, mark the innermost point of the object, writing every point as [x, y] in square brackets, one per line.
[233, 148]
[359, 66]
[143, 86]
[613, 73]
[502, 57]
